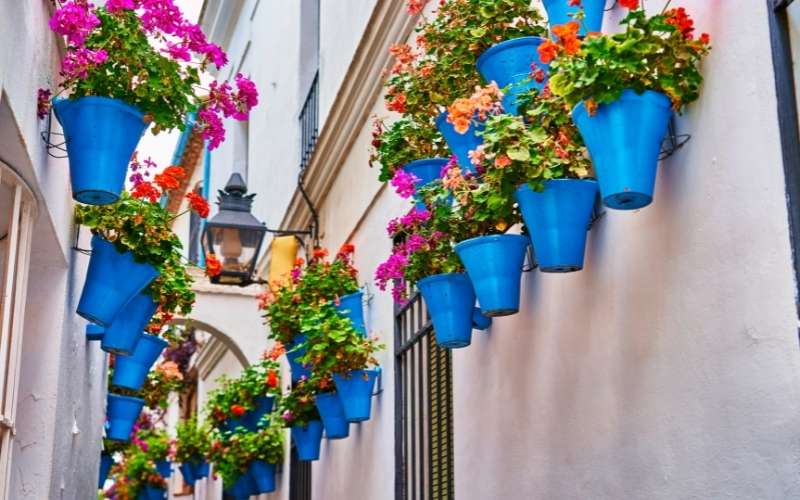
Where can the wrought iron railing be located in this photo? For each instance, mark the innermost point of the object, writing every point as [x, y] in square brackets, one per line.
[423, 408]
[299, 478]
[309, 123]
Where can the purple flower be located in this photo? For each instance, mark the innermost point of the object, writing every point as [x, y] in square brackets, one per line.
[246, 94]
[178, 52]
[117, 5]
[74, 20]
[42, 103]
[211, 128]
[287, 416]
[404, 183]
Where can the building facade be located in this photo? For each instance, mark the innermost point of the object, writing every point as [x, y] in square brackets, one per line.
[668, 368]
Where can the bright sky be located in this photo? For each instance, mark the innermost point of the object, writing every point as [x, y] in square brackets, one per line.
[162, 146]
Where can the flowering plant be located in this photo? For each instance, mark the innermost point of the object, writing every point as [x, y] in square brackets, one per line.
[423, 82]
[333, 345]
[423, 244]
[132, 474]
[265, 445]
[155, 442]
[140, 51]
[192, 440]
[317, 283]
[402, 142]
[656, 53]
[297, 406]
[226, 451]
[543, 145]
[483, 103]
[259, 379]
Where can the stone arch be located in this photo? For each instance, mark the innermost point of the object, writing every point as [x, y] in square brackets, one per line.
[225, 339]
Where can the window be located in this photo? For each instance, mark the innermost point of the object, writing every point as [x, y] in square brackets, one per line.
[17, 207]
[309, 78]
[423, 408]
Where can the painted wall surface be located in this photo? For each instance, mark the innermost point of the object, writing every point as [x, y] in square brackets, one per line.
[668, 368]
[62, 381]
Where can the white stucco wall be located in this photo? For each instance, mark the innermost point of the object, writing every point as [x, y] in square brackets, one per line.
[668, 368]
[62, 381]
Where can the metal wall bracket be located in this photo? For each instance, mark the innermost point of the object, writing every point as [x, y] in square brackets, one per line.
[48, 135]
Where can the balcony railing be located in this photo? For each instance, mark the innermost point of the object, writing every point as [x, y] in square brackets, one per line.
[309, 123]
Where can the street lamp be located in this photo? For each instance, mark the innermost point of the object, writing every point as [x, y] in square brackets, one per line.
[234, 235]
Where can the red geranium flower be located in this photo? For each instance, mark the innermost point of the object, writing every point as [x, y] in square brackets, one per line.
[198, 204]
[629, 4]
[548, 51]
[272, 379]
[213, 266]
[237, 410]
[146, 191]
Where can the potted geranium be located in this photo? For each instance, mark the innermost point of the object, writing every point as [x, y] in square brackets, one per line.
[299, 413]
[264, 451]
[329, 405]
[191, 448]
[624, 88]
[125, 68]
[136, 477]
[110, 448]
[224, 406]
[423, 256]
[335, 281]
[133, 246]
[258, 386]
[230, 464]
[336, 348]
[589, 13]
[155, 443]
[542, 163]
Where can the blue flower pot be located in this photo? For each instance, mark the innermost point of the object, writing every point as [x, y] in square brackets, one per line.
[242, 488]
[355, 392]
[124, 333]
[332, 413]
[557, 220]
[112, 280]
[122, 412]
[131, 371]
[187, 471]
[106, 461]
[101, 136]
[494, 265]
[263, 406]
[151, 493]
[509, 64]
[94, 332]
[560, 12]
[164, 467]
[351, 306]
[450, 300]
[461, 144]
[294, 351]
[263, 475]
[200, 468]
[426, 170]
[307, 440]
[624, 140]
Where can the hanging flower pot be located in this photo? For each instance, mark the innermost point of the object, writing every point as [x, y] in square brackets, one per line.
[307, 439]
[187, 471]
[131, 371]
[262, 475]
[242, 488]
[355, 392]
[263, 406]
[450, 300]
[200, 468]
[101, 135]
[121, 413]
[624, 141]
[509, 64]
[164, 467]
[94, 332]
[294, 351]
[426, 170]
[151, 493]
[113, 279]
[332, 413]
[106, 461]
[561, 11]
[557, 220]
[351, 306]
[123, 335]
[461, 144]
[494, 265]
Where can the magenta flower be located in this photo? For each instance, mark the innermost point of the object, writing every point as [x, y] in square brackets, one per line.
[42, 103]
[78, 61]
[178, 52]
[287, 416]
[117, 5]
[247, 94]
[211, 128]
[404, 183]
[74, 20]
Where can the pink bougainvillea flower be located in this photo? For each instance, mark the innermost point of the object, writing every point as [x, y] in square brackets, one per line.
[404, 183]
[42, 103]
[118, 5]
[74, 20]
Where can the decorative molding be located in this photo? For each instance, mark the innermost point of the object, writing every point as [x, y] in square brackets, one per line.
[388, 24]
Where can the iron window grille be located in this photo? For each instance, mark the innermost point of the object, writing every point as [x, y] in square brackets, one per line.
[423, 408]
[309, 123]
[299, 478]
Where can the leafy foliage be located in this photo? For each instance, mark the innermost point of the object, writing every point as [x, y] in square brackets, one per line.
[653, 53]
[402, 142]
[297, 406]
[192, 440]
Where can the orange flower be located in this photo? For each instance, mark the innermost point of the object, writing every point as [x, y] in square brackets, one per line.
[272, 378]
[548, 51]
[591, 106]
[347, 248]
[397, 103]
[213, 265]
[502, 161]
[566, 30]
[461, 124]
[166, 182]
[237, 410]
[299, 262]
[277, 351]
[146, 191]
[320, 253]
[198, 204]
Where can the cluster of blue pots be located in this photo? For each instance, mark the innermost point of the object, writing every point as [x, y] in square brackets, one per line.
[101, 136]
[259, 479]
[194, 470]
